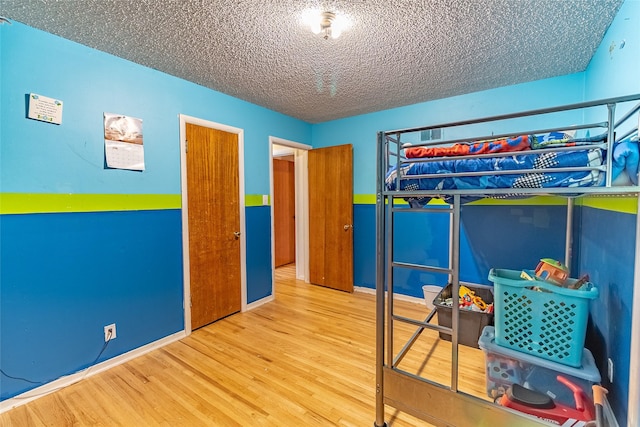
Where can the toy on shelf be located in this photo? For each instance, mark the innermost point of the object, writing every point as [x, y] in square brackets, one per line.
[580, 282]
[542, 406]
[502, 372]
[505, 366]
[552, 271]
[469, 300]
[599, 393]
[604, 414]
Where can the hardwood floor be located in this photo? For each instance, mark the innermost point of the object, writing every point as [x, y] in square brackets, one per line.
[305, 359]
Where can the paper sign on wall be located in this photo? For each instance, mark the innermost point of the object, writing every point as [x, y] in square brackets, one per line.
[45, 109]
[123, 143]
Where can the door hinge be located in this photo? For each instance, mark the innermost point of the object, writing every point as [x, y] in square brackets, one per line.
[186, 146]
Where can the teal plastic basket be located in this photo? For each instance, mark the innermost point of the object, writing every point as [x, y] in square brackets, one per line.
[540, 318]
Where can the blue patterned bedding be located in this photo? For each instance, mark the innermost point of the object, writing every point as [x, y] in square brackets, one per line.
[545, 162]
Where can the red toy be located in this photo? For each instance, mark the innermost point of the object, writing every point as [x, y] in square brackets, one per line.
[542, 406]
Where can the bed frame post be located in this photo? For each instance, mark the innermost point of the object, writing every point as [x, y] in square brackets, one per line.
[380, 204]
[610, 140]
[568, 244]
[454, 265]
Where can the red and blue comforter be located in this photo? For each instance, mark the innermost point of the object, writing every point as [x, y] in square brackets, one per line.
[544, 162]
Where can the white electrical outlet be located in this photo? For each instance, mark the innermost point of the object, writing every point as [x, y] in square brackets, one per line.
[109, 332]
[610, 370]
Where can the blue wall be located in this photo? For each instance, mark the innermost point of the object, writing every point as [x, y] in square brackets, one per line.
[361, 130]
[258, 230]
[613, 70]
[66, 275]
[66, 272]
[607, 253]
[91, 83]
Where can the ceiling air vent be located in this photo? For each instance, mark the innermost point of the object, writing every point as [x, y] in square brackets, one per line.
[431, 134]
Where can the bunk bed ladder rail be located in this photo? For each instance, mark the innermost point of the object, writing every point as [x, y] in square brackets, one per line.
[452, 271]
[382, 160]
[611, 108]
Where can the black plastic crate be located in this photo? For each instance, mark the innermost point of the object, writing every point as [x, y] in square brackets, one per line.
[471, 323]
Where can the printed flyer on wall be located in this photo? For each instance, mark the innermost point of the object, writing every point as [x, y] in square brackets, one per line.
[123, 143]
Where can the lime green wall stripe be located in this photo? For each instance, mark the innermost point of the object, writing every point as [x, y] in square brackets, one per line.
[370, 199]
[256, 200]
[23, 203]
[529, 201]
[364, 199]
[624, 204]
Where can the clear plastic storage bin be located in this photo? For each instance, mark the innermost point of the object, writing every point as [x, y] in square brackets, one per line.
[505, 367]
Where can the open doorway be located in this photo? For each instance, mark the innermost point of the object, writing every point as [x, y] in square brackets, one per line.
[289, 157]
[284, 207]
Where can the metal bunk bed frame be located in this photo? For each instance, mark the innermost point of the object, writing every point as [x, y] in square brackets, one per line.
[413, 394]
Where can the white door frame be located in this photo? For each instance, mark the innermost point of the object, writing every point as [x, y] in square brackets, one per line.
[302, 206]
[185, 212]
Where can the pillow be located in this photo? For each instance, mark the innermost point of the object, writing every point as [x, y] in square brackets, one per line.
[552, 139]
[626, 157]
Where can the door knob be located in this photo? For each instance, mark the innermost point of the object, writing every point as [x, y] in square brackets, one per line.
[347, 227]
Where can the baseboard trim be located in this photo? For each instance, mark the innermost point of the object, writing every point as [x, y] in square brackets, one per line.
[70, 379]
[260, 302]
[397, 297]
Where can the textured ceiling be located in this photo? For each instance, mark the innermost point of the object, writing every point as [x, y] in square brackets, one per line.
[397, 52]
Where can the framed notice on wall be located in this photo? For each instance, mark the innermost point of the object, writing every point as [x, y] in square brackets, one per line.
[45, 109]
[123, 142]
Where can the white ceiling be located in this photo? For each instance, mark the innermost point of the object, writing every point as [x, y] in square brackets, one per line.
[397, 52]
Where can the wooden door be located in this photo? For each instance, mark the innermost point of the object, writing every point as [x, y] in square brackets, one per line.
[331, 217]
[284, 211]
[214, 219]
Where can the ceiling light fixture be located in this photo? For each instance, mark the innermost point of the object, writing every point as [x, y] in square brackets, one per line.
[327, 24]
